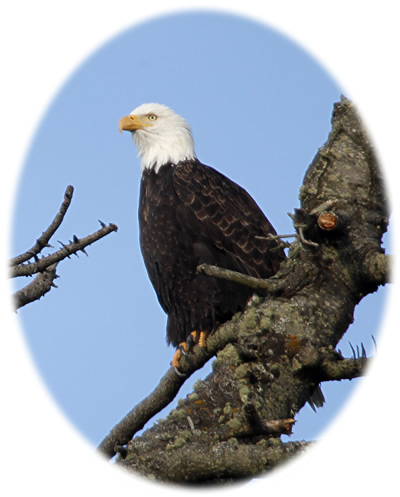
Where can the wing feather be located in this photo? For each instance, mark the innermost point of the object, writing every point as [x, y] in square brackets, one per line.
[226, 216]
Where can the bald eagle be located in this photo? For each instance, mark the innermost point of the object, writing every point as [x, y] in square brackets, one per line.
[190, 214]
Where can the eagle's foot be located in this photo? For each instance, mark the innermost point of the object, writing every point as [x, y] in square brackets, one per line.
[195, 337]
[191, 340]
[203, 344]
[182, 349]
[203, 339]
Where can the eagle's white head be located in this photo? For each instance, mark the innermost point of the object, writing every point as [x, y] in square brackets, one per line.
[161, 136]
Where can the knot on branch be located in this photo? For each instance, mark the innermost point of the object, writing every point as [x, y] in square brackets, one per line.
[327, 221]
[338, 368]
[262, 427]
[377, 267]
[323, 223]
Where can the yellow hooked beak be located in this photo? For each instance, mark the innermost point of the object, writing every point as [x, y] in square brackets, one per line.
[131, 123]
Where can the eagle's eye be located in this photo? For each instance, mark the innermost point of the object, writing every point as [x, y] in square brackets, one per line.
[152, 117]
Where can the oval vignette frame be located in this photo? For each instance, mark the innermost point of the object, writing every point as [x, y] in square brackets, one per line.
[35, 149]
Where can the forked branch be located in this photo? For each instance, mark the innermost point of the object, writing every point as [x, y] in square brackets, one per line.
[45, 267]
[43, 240]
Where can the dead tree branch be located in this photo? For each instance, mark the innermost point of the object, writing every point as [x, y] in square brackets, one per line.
[77, 245]
[41, 285]
[344, 369]
[272, 285]
[166, 390]
[43, 240]
[45, 267]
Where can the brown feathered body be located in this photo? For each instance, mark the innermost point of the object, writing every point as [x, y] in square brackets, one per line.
[191, 214]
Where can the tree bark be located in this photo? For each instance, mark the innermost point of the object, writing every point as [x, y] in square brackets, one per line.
[282, 346]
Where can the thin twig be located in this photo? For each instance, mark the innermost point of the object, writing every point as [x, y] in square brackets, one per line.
[67, 250]
[272, 285]
[300, 230]
[262, 427]
[276, 237]
[302, 238]
[324, 206]
[43, 240]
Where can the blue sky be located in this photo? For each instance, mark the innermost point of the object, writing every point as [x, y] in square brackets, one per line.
[259, 108]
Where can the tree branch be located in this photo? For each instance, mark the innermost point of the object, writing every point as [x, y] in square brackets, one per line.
[216, 461]
[45, 267]
[272, 285]
[79, 244]
[166, 390]
[345, 369]
[43, 240]
[41, 285]
[377, 266]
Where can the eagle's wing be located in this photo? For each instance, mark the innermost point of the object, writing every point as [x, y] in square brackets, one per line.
[225, 215]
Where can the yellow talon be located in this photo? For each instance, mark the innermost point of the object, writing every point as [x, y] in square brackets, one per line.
[202, 339]
[198, 337]
[176, 358]
[178, 354]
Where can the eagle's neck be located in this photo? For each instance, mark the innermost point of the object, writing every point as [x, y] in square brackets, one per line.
[164, 148]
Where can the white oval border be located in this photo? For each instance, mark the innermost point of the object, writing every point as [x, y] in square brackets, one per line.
[43, 42]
